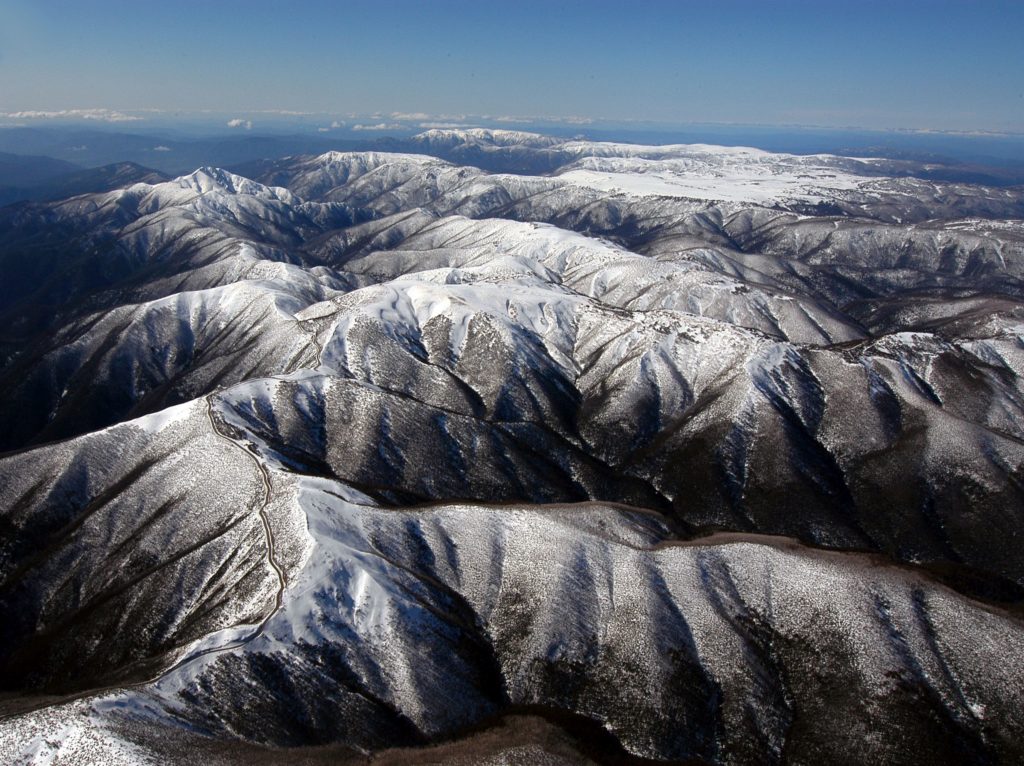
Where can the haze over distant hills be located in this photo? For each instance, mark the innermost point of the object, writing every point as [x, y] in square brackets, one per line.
[175, 144]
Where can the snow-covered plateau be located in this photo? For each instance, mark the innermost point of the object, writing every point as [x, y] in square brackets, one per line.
[515, 450]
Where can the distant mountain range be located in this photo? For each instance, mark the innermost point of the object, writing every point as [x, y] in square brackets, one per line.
[985, 160]
[42, 178]
[509, 446]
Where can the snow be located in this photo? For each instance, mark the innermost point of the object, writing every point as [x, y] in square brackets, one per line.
[485, 136]
[729, 183]
[165, 418]
[67, 734]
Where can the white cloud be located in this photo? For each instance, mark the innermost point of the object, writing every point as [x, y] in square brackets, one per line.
[965, 133]
[380, 126]
[444, 125]
[161, 148]
[527, 120]
[333, 126]
[424, 117]
[573, 120]
[240, 123]
[104, 115]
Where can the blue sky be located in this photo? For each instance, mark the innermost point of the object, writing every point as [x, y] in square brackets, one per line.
[933, 65]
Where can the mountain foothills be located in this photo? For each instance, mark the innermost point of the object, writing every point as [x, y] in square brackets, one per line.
[515, 450]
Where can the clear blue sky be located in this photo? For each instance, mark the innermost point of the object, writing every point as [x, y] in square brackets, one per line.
[938, 64]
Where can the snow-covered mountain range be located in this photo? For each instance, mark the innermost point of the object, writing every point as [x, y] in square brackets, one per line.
[717, 452]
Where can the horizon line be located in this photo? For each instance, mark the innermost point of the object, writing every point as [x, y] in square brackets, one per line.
[463, 120]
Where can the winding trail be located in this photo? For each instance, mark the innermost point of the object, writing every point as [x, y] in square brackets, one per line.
[282, 581]
[319, 348]
[249, 452]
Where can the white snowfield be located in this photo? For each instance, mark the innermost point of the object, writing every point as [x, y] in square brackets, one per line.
[693, 171]
[759, 182]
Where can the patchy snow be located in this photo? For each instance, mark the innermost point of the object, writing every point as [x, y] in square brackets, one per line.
[73, 734]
